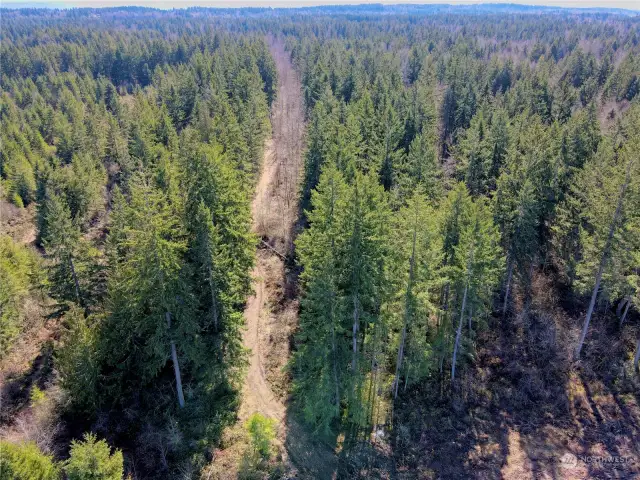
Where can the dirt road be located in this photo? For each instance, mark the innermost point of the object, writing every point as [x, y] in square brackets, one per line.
[271, 311]
[257, 395]
[274, 211]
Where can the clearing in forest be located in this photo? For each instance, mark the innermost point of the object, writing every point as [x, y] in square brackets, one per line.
[271, 311]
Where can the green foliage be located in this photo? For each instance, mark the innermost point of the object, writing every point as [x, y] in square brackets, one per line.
[91, 459]
[140, 148]
[77, 359]
[82, 183]
[606, 195]
[437, 145]
[416, 276]
[72, 270]
[528, 191]
[320, 364]
[343, 254]
[516, 128]
[477, 260]
[26, 462]
[18, 273]
[420, 170]
[262, 433]
[37, 396]
[147, 281]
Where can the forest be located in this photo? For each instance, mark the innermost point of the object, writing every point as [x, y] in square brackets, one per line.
[325, 242]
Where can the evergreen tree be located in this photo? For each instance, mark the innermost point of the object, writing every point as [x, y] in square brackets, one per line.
[611, 195]
[19, 270]
[149, 297]
[72, 273]
[26, 462]
[528, 191]
[321, 361]
[220, 241]
[454, 218]
[77, 359]
[420, 170]
[476, 271]
[475, 156]
[418, 249]
[91, 459]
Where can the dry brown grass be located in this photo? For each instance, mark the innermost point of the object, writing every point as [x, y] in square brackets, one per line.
[18, 223]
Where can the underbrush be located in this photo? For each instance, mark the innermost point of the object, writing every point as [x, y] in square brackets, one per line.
[526, 402]
[160, 440]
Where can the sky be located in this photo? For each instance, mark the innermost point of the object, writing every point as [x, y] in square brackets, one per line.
[630, 4]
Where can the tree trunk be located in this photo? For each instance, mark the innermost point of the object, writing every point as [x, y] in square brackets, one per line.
[406, 378]
[176, 367]
[508, 287]
[399, 360]
[335, 360]
[624, 315]
[333, 319]
[214, 302]
[603, 261]
[356, 320]
[371, 395]
[356, 280]
[636, 359]
[75, 281]
[594, 296]
[458, 334]
[407, 313]
[621, 305]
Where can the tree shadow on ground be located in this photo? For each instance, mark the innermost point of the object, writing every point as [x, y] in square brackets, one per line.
[313, 456]
[521, 407]
[16, 390]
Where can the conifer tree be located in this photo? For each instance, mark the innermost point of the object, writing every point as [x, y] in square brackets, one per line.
[149, 297]
[611, 195]
[363, 279]
[526, 196]
[220, 241]
[390, 133]
[71, 273]
[475, 156]
[345, 288]
[19, 269]
[477, 269]
[454, 218]
[77, 359]
[320, 134]
[321, 361]
[420, 170]
[92, 459]
[418, 248]
[26, 461]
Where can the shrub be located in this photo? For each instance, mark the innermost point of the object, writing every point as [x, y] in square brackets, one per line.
[37, 396]
[262, 432]
[26, 462]
[92, 460]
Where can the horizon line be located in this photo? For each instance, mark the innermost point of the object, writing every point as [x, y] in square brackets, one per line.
[293, 5]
